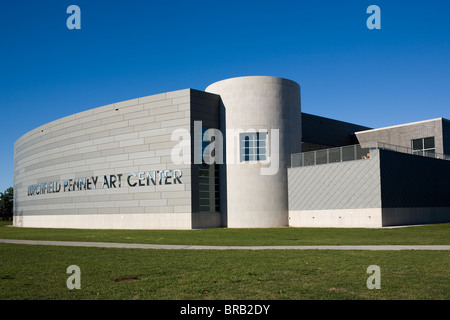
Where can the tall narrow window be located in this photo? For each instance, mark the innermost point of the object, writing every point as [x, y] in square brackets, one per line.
[423, 146]
[253, 146]
[209, 194]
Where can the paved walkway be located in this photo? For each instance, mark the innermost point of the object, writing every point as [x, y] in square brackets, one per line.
[195, 247]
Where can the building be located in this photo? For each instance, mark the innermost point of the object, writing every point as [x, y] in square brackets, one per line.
[405, 178]
[229, 156]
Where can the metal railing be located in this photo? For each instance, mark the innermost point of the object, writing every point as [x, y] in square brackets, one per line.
[429, 154]
[353, 152]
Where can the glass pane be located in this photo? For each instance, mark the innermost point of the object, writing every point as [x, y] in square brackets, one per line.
[430, 153]
[348, 153]
[248, 136]
[321, 156]
[428, 143]
[296, 160]
[362, 153]
[308, 159]
[334, 155]
[262, 151]
[417, 144]
[247, 145]
[262, 157]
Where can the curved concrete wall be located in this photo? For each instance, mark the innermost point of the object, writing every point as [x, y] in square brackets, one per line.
[256, 193]
[83, 171]
[128, 137]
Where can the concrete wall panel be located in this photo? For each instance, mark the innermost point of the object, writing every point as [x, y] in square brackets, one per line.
[129, 136]
[402, 135]
[255, 199]
[344, 194]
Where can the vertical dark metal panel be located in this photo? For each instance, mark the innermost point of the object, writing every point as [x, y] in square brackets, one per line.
[204, 107]
[446, 135]
[328, 132]
[411, 181]
[223, 167]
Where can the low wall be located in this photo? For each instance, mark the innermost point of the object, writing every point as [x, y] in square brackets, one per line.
[389, 189]
[343, 194]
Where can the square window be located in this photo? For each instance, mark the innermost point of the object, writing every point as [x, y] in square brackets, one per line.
[423, 146]
[253, 146]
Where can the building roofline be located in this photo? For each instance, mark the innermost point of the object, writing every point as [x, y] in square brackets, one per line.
[401, 125]
[335, 120]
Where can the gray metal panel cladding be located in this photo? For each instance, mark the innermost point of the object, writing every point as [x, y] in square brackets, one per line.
[343, 185]
[414, 181]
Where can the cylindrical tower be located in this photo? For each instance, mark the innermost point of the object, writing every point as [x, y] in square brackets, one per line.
[262, 121]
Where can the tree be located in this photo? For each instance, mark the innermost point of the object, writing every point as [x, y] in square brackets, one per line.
[6, 204]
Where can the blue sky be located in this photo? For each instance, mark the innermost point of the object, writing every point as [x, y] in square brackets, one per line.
[129, 49]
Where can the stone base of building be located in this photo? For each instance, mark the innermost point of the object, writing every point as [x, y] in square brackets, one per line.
[107, 221]
[337, 218]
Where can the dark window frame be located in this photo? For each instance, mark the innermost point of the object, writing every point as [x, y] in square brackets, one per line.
[423, 146]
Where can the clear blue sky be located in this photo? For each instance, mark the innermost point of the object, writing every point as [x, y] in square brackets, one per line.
[129, 49]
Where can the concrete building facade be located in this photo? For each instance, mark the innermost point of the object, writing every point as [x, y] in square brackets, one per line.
[229, 156]
[112, 167]
[387, 189]
[256, 188]
[427, 136]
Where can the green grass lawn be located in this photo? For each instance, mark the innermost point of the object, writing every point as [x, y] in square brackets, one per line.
[417, 235]
[39, 272]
